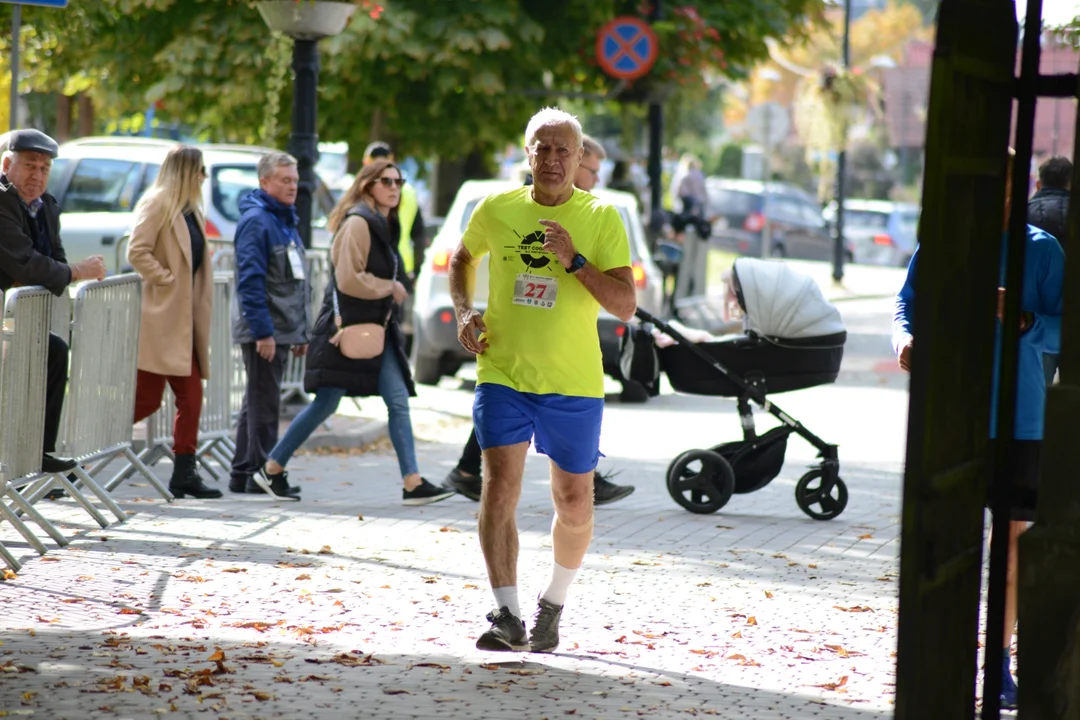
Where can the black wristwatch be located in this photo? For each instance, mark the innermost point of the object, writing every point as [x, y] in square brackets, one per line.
[577, 263]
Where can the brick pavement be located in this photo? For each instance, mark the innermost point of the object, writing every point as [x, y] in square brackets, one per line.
[348, 604]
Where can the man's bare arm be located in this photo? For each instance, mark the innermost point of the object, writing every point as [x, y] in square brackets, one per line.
[614, 290]
[462, 291]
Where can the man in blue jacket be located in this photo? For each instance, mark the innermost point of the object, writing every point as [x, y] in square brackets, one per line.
[1040, 327]
[270, 317]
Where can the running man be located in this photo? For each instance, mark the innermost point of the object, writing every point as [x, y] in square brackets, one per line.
[557, 255]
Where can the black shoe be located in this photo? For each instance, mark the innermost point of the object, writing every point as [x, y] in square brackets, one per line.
[276, 484]
[239, 485]
[187, 481]
[507, 633]
[544, 636]
[424, 494]
[53, 465]
[606, 492]
[467, 485]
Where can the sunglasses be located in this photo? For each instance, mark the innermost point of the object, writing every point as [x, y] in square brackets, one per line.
[391, 182]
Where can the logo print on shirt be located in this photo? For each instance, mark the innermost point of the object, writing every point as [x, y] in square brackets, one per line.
[529, 244]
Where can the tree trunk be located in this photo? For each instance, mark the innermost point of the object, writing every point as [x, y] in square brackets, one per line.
[450, 174]
[63, 118]
[86, 115]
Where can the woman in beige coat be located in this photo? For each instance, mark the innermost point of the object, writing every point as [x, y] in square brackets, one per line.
[168, 249]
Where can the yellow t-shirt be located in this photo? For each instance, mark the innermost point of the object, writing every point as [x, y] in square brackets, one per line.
[541, 321]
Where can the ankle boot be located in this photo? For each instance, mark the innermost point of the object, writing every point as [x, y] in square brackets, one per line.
[187, 481]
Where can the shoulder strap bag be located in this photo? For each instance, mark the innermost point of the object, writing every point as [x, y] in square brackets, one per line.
[362, 341]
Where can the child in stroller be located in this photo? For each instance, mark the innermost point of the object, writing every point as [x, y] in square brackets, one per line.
[792, 338]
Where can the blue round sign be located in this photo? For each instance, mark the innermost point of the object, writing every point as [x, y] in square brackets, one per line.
[626, 48]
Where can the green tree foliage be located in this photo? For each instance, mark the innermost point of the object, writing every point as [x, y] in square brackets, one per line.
[439, 77]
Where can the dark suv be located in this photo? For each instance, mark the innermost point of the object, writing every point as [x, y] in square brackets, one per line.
[745, 211]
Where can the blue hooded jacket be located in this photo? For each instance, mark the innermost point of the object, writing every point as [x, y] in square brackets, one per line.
[271, 302]
[1044, 268]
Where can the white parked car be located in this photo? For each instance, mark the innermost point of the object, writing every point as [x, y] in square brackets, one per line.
[436, 350]
[98, 180]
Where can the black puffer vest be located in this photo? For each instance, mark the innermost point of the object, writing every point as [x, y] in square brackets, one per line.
[326, 366]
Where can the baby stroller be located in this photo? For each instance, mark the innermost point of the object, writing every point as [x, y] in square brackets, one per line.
[794, 339]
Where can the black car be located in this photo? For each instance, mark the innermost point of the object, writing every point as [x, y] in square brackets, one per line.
[746, 211]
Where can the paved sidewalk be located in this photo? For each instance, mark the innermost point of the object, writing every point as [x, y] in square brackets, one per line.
[349, 605]
[860, 282]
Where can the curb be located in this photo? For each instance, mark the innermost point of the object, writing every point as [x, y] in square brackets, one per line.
[352, 439]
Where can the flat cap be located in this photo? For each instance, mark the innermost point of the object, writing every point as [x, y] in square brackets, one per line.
[32, 141]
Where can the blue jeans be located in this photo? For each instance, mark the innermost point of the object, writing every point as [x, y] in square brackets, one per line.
[394, 393]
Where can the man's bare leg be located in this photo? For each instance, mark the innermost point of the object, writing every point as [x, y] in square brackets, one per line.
[503, 468]
[571, 533]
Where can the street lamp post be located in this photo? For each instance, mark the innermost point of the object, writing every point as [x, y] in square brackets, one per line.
[841, 161]
[306, 22]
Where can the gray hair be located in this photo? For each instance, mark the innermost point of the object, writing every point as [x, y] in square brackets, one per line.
[552, 117]
[272, 161]
[593, 148]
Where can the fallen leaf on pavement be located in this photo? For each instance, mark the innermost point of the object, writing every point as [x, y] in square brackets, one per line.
[325, 550]
[47, 621]
[257, 625]
[359, 517]
[866, 537]
[736, 656]
[437, 666]
[517, 671]
[449, 529]
[130, 611]
[490, 667]
[303, 576]
[9, 574]
[262, 695]
[768, 595]
[395, 691]
[737, 635]
[234, 570]
[294, 564]
[834, 686]
[812, 566]
[854, 609]
[445, 598]
[430, 579]
[751, 620]
[73, 601]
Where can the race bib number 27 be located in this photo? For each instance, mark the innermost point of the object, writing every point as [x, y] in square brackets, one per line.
[535, 291]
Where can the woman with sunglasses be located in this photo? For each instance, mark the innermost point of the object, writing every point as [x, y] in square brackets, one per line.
[168, 249]
[365, 288]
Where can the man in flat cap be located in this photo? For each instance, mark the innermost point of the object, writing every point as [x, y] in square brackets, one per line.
[31, 253]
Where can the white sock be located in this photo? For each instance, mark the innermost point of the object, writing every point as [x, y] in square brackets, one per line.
[507, 597]
[560, 584]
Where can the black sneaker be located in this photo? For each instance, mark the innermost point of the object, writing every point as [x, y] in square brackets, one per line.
[276, 484]
[606, 492]
[506, 634]
[424, 494]
[544, 637]
[51, 465]
[467, 485]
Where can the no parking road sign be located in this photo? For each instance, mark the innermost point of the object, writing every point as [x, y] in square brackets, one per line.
[626, 48]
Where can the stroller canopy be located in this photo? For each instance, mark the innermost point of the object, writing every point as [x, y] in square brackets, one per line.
[782, 303]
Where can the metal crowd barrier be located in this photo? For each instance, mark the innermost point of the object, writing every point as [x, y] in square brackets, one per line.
[23, 361]
[215, 422]
[97, 427]
[318, 273]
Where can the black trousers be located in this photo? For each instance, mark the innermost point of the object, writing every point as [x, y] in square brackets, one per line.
[257, 426]
[471, 456]
[56, 377]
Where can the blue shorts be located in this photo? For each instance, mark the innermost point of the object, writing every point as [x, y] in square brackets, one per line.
[566, 429]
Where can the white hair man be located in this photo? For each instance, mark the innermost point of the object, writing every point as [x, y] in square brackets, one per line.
[31, 253]
[557, 255]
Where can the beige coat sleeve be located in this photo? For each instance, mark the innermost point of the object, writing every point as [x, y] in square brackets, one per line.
[350, 255]
[144, 238]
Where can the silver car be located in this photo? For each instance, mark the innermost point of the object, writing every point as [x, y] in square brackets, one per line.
[436, 350]
[878, 232]
[98, 180]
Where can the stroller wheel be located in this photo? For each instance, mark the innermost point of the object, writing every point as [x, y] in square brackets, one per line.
[818, 505]
[701, 481]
